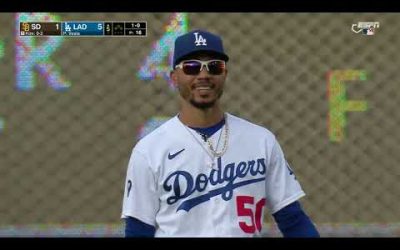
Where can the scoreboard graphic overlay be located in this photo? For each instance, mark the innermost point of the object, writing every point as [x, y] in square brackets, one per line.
[84, 28]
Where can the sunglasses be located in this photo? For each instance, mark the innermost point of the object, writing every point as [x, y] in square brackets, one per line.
[194, 67]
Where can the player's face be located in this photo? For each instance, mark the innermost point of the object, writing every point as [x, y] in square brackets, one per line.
[204, 89]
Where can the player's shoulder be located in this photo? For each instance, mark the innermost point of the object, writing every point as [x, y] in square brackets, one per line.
[157, 136]
[246, 126]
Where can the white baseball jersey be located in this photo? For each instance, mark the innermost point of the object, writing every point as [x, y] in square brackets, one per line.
[171, 184]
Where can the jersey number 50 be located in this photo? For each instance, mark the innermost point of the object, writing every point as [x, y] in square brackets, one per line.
[255, 218]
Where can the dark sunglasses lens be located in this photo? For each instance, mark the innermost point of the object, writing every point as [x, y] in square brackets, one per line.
[191, 67]
[216, 67]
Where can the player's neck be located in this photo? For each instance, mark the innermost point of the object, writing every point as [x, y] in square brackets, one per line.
[201, 118]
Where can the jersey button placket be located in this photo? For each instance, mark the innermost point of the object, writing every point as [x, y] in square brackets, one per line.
[215, 207]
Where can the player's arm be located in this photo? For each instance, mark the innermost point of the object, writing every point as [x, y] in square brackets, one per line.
[293, 222]
[137, 228]
[283, 192]
[140, 202]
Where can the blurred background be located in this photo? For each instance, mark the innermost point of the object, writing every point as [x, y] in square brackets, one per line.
[72, 109]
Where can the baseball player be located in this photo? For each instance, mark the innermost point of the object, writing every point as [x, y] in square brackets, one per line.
[205, 172]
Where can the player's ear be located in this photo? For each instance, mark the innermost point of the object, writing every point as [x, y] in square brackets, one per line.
[174, 77]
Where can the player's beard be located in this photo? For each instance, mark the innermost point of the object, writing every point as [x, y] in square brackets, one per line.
[205, 105]
[186, 94]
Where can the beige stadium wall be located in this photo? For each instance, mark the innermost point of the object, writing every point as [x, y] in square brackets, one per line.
[63, 154]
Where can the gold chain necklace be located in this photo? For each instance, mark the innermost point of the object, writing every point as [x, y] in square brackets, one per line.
[224, 147]
[211, 149]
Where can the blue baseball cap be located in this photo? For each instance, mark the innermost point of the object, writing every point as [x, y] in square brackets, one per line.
[198, 41]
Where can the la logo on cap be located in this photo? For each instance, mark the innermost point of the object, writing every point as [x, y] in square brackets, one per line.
[199, 40]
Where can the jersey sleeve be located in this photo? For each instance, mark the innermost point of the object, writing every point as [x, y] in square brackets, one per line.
[282, 186]
[140, 196]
